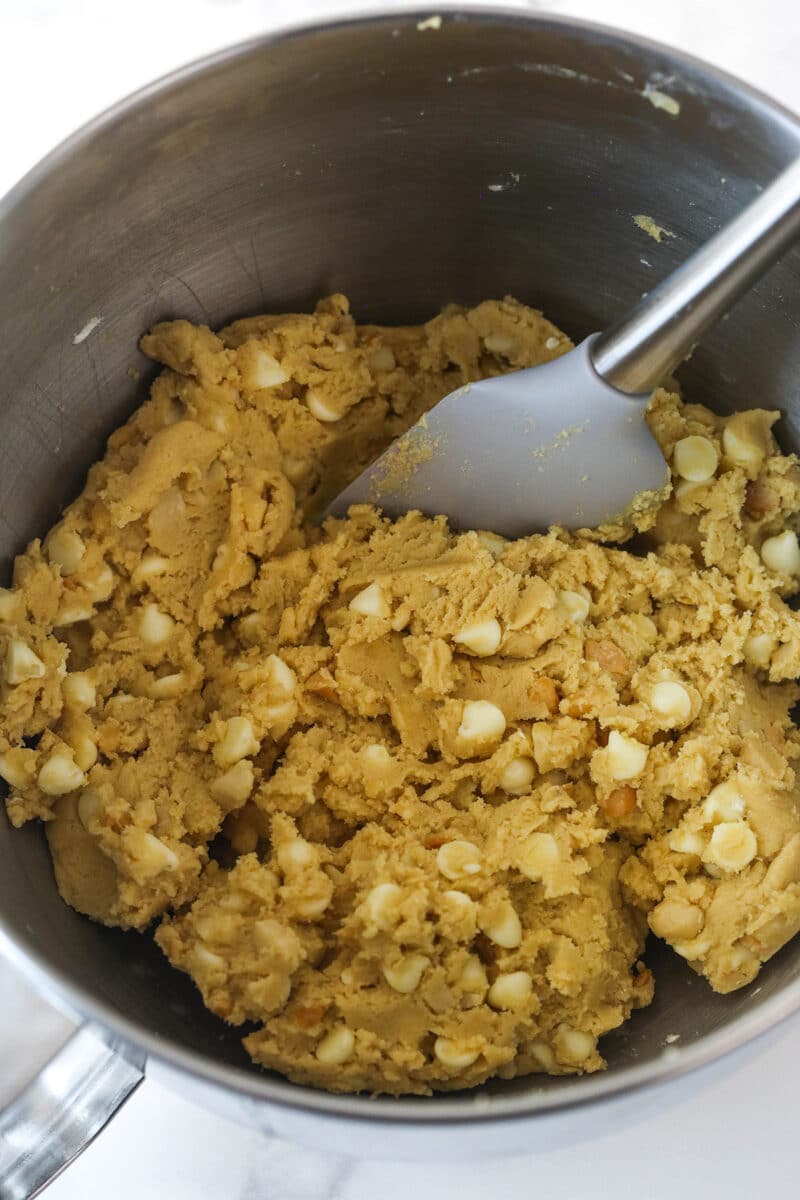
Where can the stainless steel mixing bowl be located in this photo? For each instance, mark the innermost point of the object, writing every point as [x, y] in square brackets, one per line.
[406, 167]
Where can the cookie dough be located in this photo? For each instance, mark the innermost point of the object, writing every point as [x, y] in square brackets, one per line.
[408, 800]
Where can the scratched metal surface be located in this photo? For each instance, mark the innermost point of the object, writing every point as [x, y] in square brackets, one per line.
[496, 157]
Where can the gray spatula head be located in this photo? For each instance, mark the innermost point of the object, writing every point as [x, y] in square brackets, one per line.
[551, 445]
[567, 443]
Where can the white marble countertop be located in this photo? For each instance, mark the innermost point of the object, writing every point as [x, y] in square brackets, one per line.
[729, 1130]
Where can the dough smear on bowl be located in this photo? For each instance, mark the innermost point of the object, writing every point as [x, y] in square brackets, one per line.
[407, 799]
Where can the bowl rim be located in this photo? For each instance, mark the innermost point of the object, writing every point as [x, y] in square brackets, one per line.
[271, 1089]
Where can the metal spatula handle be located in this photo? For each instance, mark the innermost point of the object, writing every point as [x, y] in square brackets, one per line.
[639, 351]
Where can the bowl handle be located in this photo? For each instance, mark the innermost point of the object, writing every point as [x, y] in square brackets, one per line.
[63, 1109]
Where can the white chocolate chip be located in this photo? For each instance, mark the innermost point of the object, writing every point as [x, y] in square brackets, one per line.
[404, 976]
[552, 343]
[382, 359]
[453, 1054]
[22, 663]
[206, 960]
[684, 489]
[758, 650]
[746, 441]
[99, 583]
[645, 627]
[234, 787]
[151, 854]
[459, 858]
[695, 458]
[500, 343]
[297, 855]
[84, 748]
[65, 548]
[492, 542]
[281, 675]
[517, 776]
[78, 690]
[473, 975]
[238, 741]
[10, 606]
[503, 926]
[671, 701]
[733, 845]
[370, 602]
[375, 756]
[294, 468]
[724, 803]
[626, 758]
[541, 1053]
[336, 1047]
[460, 905]
[155, 627]
[235, 901]
[73, 611]
[214, 925]
[482, 723]
[167, 687]
[676, 920]
[249, 627]
[266, 371]
[537, 855]
[381, 903]
[278, 717]
[782, 553]
[574, 1046]
[312, 907]
[90, 807]
[60, 774]
[321, 408]
[482, 637]
[511, 991]
[274, 937]
[150, 566]
[12, 768]
[576, 604]
[740, 956]
[685, 841]
[694, 949]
